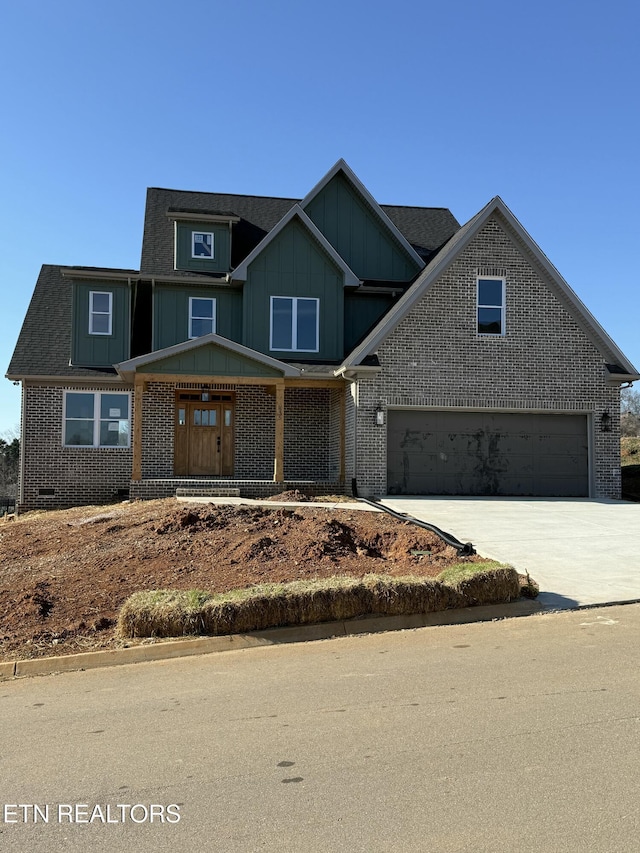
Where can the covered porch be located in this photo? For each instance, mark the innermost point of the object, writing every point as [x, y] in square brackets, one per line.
[211, 416]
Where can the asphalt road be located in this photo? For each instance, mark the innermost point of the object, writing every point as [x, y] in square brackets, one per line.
[519, 735]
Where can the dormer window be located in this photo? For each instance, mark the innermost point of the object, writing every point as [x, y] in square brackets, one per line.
[100, 312]
[202, 245]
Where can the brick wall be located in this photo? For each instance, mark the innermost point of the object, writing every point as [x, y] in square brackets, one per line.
[434, 358]
[158, 428]
[75, 475]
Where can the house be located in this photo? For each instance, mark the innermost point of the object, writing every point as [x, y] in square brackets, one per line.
[329, 344]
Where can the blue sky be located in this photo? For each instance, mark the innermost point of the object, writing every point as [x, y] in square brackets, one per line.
[445, 104]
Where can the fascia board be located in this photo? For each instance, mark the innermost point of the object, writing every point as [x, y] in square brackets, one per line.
[202, 217]
[69, 272]
[29, 378]
[128, 368]
[342, 166]
[350, 278]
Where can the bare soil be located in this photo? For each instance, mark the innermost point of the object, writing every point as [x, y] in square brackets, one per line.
[65, 574]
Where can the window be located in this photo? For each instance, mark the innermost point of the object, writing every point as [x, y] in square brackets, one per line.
[491, 306]
[96, 419]
[100, 312]
[294, 324]
[202, 316]
[202, 245]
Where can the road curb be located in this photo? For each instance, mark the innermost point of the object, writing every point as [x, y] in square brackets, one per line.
[274, 636]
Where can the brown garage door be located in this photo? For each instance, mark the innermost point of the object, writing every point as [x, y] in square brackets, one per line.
[477, 453]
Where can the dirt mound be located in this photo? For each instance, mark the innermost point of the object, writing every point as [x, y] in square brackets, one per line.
[291, 495]
[64, 575]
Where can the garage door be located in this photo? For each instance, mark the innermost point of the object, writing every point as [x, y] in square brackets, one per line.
[475, 453]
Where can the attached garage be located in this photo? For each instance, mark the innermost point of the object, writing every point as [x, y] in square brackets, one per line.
[487, 453]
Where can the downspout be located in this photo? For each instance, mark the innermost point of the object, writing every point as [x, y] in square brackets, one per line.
[132, 308]
[153, 314]
[23, 406]
[356, 410]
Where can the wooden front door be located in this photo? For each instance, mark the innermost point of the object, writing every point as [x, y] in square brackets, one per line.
[204, 436]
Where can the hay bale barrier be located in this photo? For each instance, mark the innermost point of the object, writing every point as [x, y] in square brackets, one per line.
[174, 613]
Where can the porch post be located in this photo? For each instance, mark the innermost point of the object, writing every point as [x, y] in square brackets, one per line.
[136, 473]
[278, 462]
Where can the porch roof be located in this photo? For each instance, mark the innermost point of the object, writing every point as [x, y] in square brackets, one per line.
[209, 355]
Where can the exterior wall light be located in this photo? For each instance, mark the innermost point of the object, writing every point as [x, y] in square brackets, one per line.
[605, 422]
[380, 416]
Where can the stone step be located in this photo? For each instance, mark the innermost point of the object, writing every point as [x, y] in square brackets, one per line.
[208, 492]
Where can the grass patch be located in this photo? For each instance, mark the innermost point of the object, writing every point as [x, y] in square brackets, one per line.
[173, 613]
[630, 450]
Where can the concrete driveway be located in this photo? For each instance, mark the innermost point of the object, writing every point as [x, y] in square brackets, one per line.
[580, 551]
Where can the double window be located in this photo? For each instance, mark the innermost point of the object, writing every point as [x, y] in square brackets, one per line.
[202, 316]
[491, 303]
[202, 245]
[96, 419]
[294, 324]
[100, 312]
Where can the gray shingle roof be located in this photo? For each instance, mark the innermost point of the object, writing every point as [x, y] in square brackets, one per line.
[426, 228]
[44, 343]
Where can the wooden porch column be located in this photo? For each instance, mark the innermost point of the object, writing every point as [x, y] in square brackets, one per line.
[136, 473]
[278, 462]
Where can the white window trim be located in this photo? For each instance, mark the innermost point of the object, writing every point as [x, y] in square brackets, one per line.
[502, 306]
[92, 313]
[192, 317]
[195, 257]
[96, 420]
[294, 324]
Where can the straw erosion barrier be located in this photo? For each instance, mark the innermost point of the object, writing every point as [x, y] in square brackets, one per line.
[174, 613]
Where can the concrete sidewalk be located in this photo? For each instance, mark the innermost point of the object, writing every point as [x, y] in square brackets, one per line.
[580, 551]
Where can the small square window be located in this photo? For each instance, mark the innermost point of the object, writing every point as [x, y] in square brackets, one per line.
[491, 306]
[202, 245]
[202, 316]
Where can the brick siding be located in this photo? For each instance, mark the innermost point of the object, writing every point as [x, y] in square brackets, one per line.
[544, 362]
[75, 475]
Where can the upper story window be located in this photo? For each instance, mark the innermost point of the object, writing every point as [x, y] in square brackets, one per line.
[491, 306]
[294, 324]
[100, 312]
[202, 245]
[96, 419]
[202, 316]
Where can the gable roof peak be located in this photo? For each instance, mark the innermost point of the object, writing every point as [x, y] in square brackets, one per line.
[342, 166]
[295, 211]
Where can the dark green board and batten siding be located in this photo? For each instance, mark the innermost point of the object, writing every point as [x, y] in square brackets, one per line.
[361, 313]
[221, 260]
[171, 313]
[212, 360]
[294, 264]
[358, 234]
[487, 453]
[100, 350]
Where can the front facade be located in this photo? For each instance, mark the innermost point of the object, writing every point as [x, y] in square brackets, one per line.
[327, 344]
